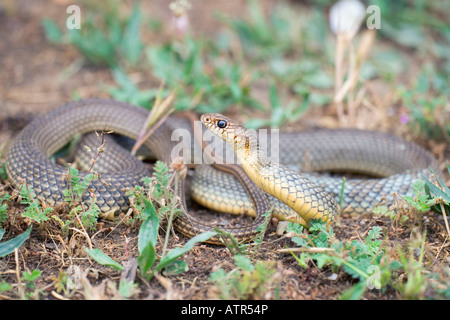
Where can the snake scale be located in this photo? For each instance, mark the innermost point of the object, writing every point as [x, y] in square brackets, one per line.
[233, 188]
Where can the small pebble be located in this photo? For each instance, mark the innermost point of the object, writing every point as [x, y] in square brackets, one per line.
[281, 227]
[333, 277]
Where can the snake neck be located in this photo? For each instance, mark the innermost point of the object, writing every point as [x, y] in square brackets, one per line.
[285, 184]
[249, 151]
[253, 159]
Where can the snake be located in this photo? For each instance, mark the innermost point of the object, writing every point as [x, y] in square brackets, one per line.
[254, 186]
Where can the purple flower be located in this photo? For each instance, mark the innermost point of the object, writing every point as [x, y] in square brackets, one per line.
[180, 20]
[404, 118]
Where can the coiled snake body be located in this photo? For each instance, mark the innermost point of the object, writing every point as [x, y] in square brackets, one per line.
[400, 162]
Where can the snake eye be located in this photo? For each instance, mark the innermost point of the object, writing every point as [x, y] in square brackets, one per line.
[221, 124]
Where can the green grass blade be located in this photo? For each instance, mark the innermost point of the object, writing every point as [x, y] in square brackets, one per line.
[355, 292]
[176, 267]
[52, 31]
[148, 232]
[102, 258]
[146, 259]
[437, 191]
[441, 183]
[131, 42]
[10, 245]
[178, 252]
[341, 195]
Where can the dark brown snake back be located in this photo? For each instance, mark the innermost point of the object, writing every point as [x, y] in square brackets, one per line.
[27, 160]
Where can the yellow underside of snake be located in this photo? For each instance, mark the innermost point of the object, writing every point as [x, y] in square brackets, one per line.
[300, 196]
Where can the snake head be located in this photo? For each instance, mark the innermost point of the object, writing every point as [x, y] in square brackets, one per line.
[231, 131]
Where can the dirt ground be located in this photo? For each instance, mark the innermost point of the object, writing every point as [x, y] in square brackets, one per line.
[34, 80]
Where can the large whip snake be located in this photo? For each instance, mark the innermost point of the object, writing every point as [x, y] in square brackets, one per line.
[229, 189]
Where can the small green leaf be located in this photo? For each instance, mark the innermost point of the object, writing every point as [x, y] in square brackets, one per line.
[273, 96]
[178, 252]
[320, 79]
[176, 267]
[374, 233]
[355, 292]
[102, 258]
[10, 245]
[317, 225]
[278, 117]
[300, 241]
[132, 43]
[217, 275]
[437, 191]
[244, 263]
[148, 232]
[302, 260]
[4, 286]
[127, 288]
[3, 174]
[31, 276]
[422, 83]
[146, 258]
[257, 123]
[341, 194]
[294, 227]
[52, 31]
